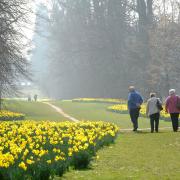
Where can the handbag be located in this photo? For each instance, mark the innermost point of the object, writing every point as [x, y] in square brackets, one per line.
[138, 106]
[178, 103]
[159, 105]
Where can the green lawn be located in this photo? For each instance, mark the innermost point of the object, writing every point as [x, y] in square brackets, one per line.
[134, 155]
[33, 110]
[138, 156]
[95, 111]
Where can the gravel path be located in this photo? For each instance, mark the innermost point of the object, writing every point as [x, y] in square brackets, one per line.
[60, 111]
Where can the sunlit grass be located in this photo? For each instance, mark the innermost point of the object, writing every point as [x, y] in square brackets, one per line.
[96, 111]
[133, 155]
[33, 110]
[137, 156]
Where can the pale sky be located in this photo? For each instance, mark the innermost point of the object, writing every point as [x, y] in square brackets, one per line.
[28, 32]
[47, 2]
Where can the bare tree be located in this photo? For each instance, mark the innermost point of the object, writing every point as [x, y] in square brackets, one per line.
[13, 18]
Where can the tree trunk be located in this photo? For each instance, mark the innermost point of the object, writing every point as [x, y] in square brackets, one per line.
[150, 12]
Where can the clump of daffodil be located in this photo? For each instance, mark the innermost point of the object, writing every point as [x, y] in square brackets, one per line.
[8, 115]
[26, 146]
[23, 166]
[99, 100]
[122, 108]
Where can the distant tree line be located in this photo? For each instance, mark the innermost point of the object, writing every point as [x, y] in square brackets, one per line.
[97, 48]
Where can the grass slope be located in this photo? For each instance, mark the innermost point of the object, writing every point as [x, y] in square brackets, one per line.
[134, 155]
[33, 110]
[138, 156]
[95, 111]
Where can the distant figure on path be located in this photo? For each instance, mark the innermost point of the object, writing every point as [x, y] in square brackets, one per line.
[35, 97]
[172, 107]
[134, 105]
[29, 98]
[153, 111]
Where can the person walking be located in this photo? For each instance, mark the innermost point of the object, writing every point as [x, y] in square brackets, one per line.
[29, 98]
[153, 108]
[134, 105]
[172, 107]
[35, 97]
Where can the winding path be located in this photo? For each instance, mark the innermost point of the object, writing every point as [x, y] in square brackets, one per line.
[60, 111]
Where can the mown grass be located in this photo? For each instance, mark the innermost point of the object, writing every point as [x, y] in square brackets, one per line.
[140, 155]
[33, 110]
[95, 111]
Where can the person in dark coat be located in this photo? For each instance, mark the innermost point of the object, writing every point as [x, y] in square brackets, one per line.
[35, 97]
[134, 105]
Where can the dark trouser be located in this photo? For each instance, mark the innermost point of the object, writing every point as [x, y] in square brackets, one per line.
[154, 119]
[174, 119]
[134, 114]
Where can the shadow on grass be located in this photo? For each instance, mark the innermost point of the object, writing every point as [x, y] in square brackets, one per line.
[90, 167]
[146, 132]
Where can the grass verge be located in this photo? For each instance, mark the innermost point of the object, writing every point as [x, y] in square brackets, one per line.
[33, 110]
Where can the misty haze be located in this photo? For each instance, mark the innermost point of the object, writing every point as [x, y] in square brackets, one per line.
[89, 89]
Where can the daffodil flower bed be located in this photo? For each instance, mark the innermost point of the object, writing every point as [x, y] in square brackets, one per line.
[122, 108]
[40, 150]
[7, 115]
[99, 100]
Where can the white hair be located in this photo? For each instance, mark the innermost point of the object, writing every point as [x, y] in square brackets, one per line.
[131, 88]
[172, 91]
